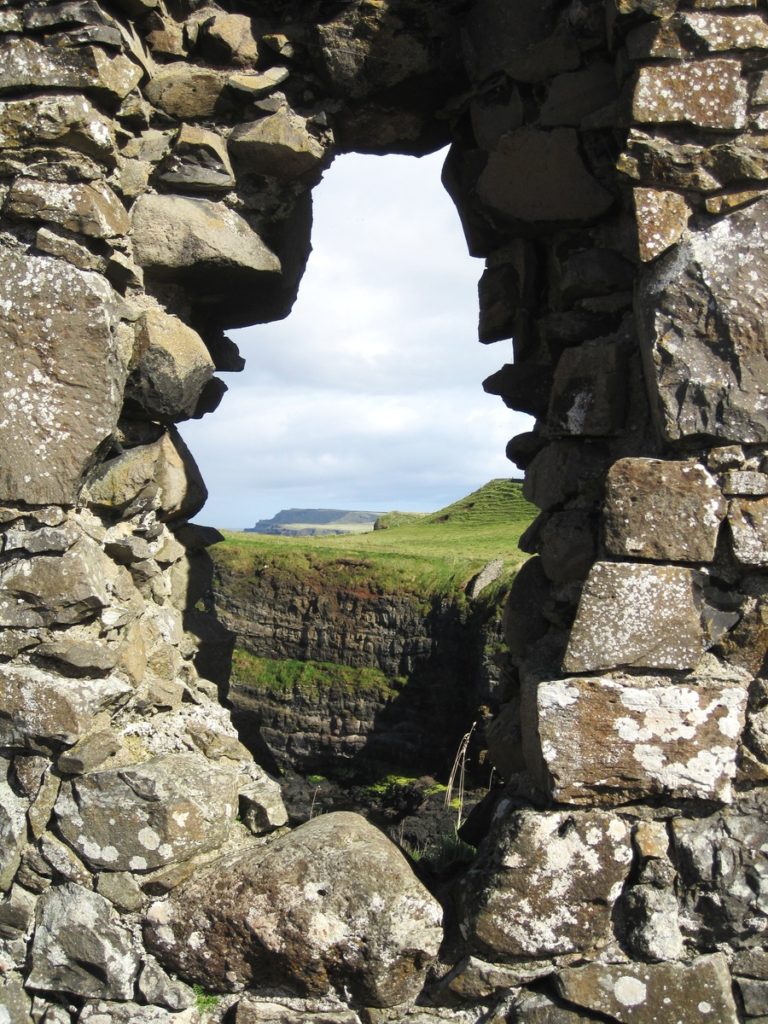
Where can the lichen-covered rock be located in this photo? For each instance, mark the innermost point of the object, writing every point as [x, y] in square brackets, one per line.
[92, 210]
[665, 511]
[173, 369]
[545, 883]
[645, 994]
[645, 616]
[14, 1001]
[331, 903]
[80, 947]
[617, 738]
[722, 864]
[25, 63]
[40, 710]
[662, 218]
[102, 1012]
[702, 315]
[198, 162]
[261, 805]
[57, 119]
[63, 371]
[653, 927]
[13, 829]
[150, 814]
[185, 91]
[251, 1010]
[706, 93]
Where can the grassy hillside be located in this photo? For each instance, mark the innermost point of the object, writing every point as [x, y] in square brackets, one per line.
[436, 553]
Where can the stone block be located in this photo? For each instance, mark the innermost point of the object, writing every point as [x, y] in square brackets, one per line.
[80, 947]
[588, 397]
[645, 994]
[720, 32]
[25, 63]
[185, 91]
[39, 710]
[618, 738]
[539, 177]
[665, 511]
[706, 94]
[280, 146]
[711, 287]
[63, 376]
[198, 162]
[92, 210]
[60, 120]
[148, 815]
[662, 218]
[643, 616]
[545, 883]
[748, 522]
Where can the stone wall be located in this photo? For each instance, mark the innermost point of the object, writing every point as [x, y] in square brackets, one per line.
[609, 161]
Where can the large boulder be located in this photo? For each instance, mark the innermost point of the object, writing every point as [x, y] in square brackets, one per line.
[63, 374]
[331, 903]
[147, 815]
[703, 309]
[545, 884]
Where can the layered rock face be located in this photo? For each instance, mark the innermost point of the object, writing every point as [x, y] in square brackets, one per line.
[609, 161]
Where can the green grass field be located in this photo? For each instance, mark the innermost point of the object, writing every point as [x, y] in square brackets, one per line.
[427, 554]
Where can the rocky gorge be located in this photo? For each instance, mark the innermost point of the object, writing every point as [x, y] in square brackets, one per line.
[608, 160]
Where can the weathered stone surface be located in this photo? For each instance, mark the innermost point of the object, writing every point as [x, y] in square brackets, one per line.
[229, 38]
[615, 738]
[635, 994]
[55, 589]
[14, 1000]
[92, 210]
[25, 63]
[122, 889]
[279, 145]
[745, 483]
[667, 511]
[545, 883]
[718, 32]
[702, 331]
[332, 900]
[198, 162]
[173, 370]
[148, 815]
[12, 829]
[131, 1013]
[261, 805]
[80, 947]
[39, 707]
[572, 97]
[63, 376]
[59, 119]
[552, 182]
[186, 91]
[251, 1010]
[723, 865]
[160, 476]
[653, 930]
[748, 522]
[662, 218]
[707, 94]
[644, 616]
[589, 390]
[159, 988]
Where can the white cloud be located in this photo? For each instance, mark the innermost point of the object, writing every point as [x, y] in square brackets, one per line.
[369, 394]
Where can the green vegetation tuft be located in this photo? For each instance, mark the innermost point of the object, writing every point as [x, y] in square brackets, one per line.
[204, 1001]
[287, 676]
[436, 554]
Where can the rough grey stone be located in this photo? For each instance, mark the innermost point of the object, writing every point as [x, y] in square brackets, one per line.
[15, 1004]
[635, 994]
[198, 162]
[147, 815]
[120, 888]
[613, 738]
[131, 1013]
[13, 829]
[545, 883]
[173, 369]
[80, 947]
[667, 511]
[748, 522]
[93, 210]
[41, 709]
[331, 902]
[589, 390]
[261, 805]
[25, 63]
[159, 989]
[60, 119]
[654, 928]
[705, 372]
[279, 145]
[63, 376]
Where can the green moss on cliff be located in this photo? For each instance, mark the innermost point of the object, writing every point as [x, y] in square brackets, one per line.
[268, 675]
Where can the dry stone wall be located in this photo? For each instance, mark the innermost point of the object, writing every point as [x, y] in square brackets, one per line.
[609, 161]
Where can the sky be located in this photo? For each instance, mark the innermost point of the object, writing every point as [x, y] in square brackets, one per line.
[369, 395]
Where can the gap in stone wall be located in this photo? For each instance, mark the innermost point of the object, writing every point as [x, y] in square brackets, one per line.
[369, 394]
